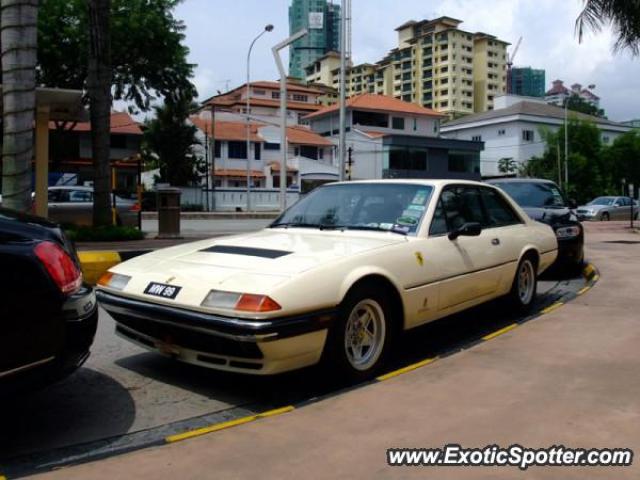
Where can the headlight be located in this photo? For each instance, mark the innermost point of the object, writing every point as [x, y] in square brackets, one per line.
[245, 302]
[114, 280]
[568, 232]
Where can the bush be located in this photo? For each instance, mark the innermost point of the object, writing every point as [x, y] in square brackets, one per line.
[109, 233]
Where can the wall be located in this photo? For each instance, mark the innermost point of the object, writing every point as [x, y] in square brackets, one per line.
[229, 199]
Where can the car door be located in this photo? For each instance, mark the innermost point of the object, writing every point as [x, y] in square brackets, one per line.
[81, 207]
[467, 265]
[618, 210]
[57, 199]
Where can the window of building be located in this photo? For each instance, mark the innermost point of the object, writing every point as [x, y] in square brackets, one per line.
[397, 123]
[407, 159]
[257, 151]
[406, 98]
[406, 87]
[406, 76]
[272, 146]
[464, 161]
[476, 138]
[427, 85]
[444, 104]
[300, 98]
[217, 148]
[238, 150]
[275, 94]
[259, 92]
[527, 135]
[370, 119]
[501, 132]
[415, 124]
[444, 81]
[444, 58]
[309, 151]
[276, 181]
[118, 141]
[605, 139]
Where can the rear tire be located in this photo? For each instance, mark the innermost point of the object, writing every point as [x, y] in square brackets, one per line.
[605, 217]
[359, 342]
[525, 285]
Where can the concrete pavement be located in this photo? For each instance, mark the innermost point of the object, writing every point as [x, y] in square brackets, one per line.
[569, 377]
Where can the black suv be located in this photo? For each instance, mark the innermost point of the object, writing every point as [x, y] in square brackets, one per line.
[543, 201]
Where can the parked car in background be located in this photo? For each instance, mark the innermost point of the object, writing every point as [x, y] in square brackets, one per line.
[48, 317]
[609, 208]
[543, 201]
[74, 205]
[333, 279]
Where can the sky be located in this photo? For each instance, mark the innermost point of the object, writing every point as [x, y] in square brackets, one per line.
[219, 32]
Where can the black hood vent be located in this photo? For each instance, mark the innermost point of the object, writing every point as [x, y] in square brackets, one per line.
[251, 252]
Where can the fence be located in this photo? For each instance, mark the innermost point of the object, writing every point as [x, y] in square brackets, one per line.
[235, 199]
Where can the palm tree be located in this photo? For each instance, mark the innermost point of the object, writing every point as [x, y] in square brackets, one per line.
[19, 40]
[99, 90]
[624, 15]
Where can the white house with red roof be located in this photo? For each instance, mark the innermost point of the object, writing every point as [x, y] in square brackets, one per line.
[390, 138]
[558, 94]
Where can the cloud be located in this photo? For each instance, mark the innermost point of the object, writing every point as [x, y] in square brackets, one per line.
[219, 33]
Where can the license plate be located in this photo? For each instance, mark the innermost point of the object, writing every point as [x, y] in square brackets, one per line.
[162, 290]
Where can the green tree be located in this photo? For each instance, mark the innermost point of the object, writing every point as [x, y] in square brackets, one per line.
[623, 15]
[145, 53]
[172, 139]
[578, 104]
[19, 43]
[622, 159]
[589, 175]
[99, 92]
[507, 165]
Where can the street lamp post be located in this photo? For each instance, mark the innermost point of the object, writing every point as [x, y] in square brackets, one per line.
[267, 28]
[283, 112]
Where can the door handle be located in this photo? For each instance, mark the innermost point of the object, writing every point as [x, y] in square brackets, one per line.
[495, 241]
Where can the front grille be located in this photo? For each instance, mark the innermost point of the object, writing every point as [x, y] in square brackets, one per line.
[190, 339]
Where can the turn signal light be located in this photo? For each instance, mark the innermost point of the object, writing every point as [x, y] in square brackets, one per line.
[114, 280]
[256, 303]
[244, 302]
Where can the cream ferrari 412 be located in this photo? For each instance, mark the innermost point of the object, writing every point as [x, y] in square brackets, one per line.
[335, 278]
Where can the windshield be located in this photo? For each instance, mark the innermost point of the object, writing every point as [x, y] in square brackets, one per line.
[391, 207]
[601, 201]
[534, 194]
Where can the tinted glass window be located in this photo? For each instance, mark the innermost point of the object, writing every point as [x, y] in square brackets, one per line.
[462, 205]
[439, 222]
[534, 194]
[58, 196]
[498, 211]
[601, 201]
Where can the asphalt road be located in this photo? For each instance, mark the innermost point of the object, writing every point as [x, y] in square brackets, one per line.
[124, 389]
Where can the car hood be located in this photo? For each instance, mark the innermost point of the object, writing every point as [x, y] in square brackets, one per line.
[550, 216]
[262, 259]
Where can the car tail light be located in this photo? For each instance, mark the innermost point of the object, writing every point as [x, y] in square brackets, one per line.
[135, 207]
[244, 302]
[60, 266]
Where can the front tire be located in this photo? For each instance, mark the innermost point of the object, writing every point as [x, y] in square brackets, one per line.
[359, 342]
[525, 285]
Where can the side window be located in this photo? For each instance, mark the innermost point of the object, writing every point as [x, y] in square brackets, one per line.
[460, 205]
[58, 196]
[80, 196]
[498, 210]
[627, 201]
[439, 222]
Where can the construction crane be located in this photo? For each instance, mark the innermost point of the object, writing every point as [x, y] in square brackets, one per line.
[510, 64]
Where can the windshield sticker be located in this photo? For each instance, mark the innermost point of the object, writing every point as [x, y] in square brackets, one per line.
[386, 226]
[417, 208]
[401, 229]
[407, 220]
[421, 197]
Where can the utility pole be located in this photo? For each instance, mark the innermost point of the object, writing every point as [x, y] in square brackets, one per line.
[345, 15]
[212, 173]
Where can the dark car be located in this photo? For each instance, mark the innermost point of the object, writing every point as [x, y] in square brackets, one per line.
[48, 318]
[543, 201]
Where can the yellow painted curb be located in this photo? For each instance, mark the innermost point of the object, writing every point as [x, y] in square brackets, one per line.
[224, 425]
[406, 369]
[583, 290]
[500, 332]
[551, 308]
[95, 264]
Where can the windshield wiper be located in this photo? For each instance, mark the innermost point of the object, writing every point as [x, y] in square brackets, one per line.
[295, 224]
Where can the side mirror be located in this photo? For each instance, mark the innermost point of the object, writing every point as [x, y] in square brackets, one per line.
[469, 229]
[573, 204]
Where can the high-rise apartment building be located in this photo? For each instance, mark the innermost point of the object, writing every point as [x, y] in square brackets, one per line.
[322, 19]
[435, 65]
[527, 81]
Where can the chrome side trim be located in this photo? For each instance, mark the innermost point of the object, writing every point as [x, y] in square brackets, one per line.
[25, 367]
